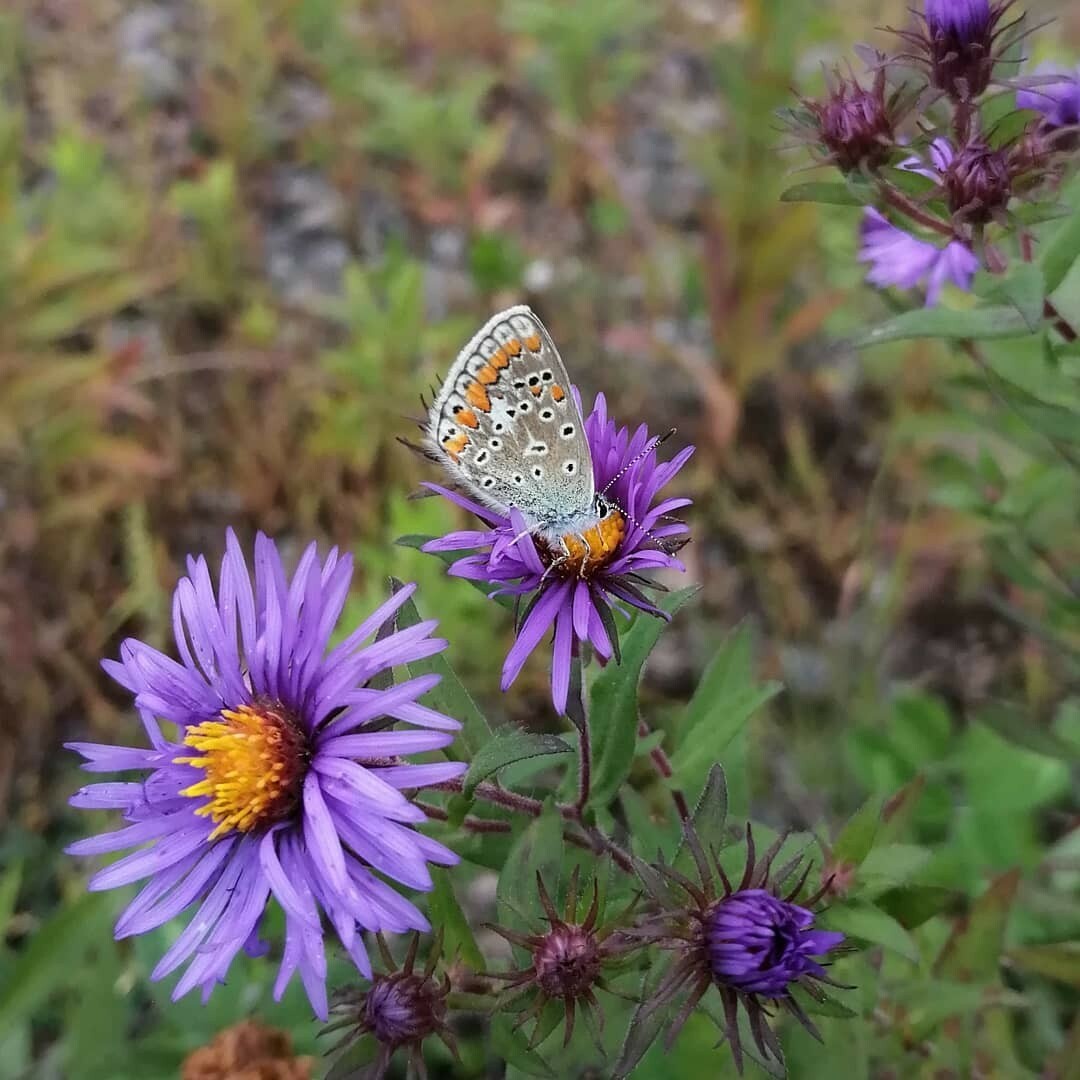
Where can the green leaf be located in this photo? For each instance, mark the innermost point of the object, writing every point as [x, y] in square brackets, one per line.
[820, 191]
[1020, 729]
[1061, 252]
[1060, 961]
[857, 837]
[870, 924]
[510, 744]
[446, 914]
[819, 1006]
[709, 818]
[977, 324]
[1025, 290]
[512, 1046]
[9, 893]
[45, 964]
[539, 849]
[974, 948]
[724, 701]
[913, 905]
[450, 696]
[613, 702]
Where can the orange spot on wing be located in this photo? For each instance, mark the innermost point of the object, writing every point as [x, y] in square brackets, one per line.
[512, 347]
[487, 375]
[467, 418]
[536, 390]
[499, 359]
[477, 397]
[558, 393]
[533, 343]
[455, 445]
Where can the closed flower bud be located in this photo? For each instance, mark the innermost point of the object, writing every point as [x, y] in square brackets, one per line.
[400, 1009]
[568, 960]
[961, 44]
[978, 183]
[854, 127]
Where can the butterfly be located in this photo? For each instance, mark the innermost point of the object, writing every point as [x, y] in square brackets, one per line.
[508, 429]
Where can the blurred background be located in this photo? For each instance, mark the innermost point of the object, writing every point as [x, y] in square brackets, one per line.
[238, 240]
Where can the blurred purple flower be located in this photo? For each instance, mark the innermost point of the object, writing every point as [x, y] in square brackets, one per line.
[760, 944]
[575, 595]
[1057, 101]
[959, 43]
[898, 258]
[966, 19]
[280, 780]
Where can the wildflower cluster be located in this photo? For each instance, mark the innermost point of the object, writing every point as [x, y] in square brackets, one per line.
[975, 168]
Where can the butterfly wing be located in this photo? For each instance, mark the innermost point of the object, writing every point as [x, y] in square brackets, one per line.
[505, 424]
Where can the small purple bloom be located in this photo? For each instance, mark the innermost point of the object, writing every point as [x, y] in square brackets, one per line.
[1058, 101]
[574, 596]
[959, 44]
[280, 780]
[760, 944]
[967, 19]
[898, 258]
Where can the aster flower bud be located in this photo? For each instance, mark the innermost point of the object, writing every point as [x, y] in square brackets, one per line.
[978, 183]
[749, 941]
[962, 36]
[958, 43]
[400, 1009]
[854, 127]
[567, 961]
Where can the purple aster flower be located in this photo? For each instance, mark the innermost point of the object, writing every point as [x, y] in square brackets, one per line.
[750, 941]
[898, 258]
[282, 779]
[1056, 99]
[760, 944]
[575, 594]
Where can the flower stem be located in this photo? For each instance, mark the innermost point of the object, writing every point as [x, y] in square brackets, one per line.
[899, 201]
[662, 764]
[576, 711]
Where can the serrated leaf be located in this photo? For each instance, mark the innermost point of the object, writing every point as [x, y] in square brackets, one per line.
[976, 324]
[821, 191]
[872, 925]
[446, 915]
[709, 817]
[974, 948]
[613, 702]
[450, 696]
[510, 744]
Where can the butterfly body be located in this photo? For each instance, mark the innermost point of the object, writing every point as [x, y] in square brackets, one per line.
[507, 427]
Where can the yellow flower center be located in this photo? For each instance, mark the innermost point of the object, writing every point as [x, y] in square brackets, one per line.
[255, 758]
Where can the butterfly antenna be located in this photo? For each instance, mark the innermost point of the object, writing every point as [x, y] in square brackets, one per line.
[654, 442]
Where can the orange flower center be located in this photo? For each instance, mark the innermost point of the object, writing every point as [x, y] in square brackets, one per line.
[591, 550]
[255, 758]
